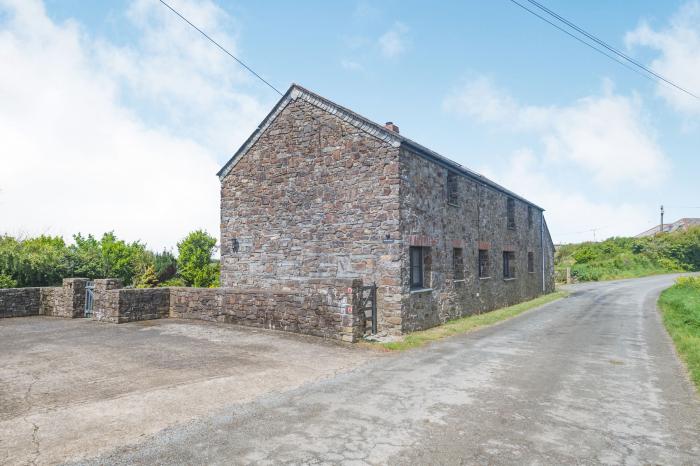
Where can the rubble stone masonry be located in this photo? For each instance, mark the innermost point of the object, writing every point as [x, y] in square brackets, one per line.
[312, 205]
[318, 196]
[476, 218]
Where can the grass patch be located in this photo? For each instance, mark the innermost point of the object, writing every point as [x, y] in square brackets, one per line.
[680, 308]
[467, 324]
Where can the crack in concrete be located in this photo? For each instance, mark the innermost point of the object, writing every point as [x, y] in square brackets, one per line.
[35, 428]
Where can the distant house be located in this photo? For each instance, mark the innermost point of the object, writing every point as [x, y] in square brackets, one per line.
[319, 193]
[679, 225]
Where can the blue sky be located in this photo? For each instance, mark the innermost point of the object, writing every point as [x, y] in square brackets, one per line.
[483, 83]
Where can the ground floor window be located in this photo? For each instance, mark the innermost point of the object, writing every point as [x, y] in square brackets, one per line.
[508, 264]
[484, 263]
[420, 263]
[531, 262]
[458, 263]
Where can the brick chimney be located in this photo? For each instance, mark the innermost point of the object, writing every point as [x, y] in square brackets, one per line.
[391, 127]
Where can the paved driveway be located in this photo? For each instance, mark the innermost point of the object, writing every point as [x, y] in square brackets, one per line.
[77, 388]
[589, 379]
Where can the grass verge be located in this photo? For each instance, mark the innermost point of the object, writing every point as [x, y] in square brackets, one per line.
[680, 308]
[467, 324]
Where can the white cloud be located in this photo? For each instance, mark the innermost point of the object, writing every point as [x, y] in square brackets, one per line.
[74, 157]
[607, 135]
[570, 215]
[351, 65]
[678, 47]
[394, 42]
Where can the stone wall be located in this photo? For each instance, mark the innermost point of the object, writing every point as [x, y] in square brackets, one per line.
[121, 305]
[105, 305]
[475, 219]
[20, 302]
[64, 301]
[313, 205]
[142, 304]
[73, 291]
[327, 314]
[52, 301]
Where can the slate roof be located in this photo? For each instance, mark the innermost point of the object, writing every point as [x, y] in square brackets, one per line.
[296, 92]
[679, 225]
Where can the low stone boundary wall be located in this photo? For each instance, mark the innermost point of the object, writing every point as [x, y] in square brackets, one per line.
[59, 301]
[52, 302]
[322, 309]
[130, 304]
[325, 311]
[20, 302]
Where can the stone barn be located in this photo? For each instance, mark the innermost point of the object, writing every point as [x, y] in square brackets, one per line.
[319, 194]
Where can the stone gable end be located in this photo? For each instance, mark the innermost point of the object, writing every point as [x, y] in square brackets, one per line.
[314, 200]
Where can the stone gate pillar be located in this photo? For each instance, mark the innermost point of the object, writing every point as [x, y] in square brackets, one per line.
[105, 305]
[73, 298]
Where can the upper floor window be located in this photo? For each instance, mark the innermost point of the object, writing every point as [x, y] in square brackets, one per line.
[458, 263]
[510, 212]
[452, 191]
[529, 216]
[531, 262]
[508, 264]
[484, 263]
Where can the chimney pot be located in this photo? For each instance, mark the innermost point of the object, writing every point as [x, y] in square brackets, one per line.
[391, 127]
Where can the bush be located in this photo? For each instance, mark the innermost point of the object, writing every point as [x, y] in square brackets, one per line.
[148, 278]
[7, 282]
[195, 265]
[177, 281]
[688, 282]
[631, 257]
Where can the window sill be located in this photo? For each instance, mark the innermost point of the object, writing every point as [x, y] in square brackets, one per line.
[453, 204]
[484, 278]
[531, 272]
[459, 280]
[421, 290]
[509, 279]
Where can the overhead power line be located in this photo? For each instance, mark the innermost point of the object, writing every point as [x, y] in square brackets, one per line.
[222, 48]
[646, 72]
[582, 41]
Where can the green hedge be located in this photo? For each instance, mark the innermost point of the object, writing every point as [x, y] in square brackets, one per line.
[680, 307]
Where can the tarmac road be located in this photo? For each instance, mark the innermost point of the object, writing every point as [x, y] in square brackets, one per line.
[590, 379]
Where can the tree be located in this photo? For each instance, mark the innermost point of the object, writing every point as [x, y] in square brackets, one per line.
[165, 265]
[85, 257]
[147, 279]
[39, 261]
[109, 257]
[195, 265]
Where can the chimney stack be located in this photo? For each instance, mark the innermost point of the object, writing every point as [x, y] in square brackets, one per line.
[391, 127]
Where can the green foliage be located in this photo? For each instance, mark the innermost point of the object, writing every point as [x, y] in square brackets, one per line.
[631, 257]
[165, 265]
[46, 260]
[109, 257]
[7, 282]
[176, 281]
[148, 279]
[692, 283]
[680, 307]
[195, 264]
[36, 261]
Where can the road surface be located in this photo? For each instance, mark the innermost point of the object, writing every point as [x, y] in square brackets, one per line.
[589, 379]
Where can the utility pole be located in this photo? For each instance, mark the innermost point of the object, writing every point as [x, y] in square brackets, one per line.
[661, 227]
